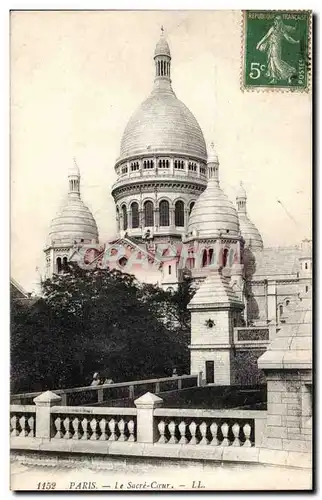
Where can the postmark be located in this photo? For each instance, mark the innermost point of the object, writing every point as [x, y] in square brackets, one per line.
[276, 50]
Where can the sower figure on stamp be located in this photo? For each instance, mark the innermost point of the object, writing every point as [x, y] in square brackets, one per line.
[277, 69]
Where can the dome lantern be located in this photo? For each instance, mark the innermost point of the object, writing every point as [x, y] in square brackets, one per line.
[241, 198]
[248, 230]
[74, 180]
[162, 60]
[213, 164]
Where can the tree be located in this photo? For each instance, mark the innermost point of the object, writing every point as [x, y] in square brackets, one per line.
[93, 320]
[170, 307]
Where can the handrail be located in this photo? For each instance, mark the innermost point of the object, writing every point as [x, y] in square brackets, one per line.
[105, 386]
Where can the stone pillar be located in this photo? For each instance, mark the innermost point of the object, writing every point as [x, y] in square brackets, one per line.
[43, 404]
[186, 218]
[171, 216]
[271, 301]
[287, 365]
[156, 217]
[141, 218]
[129, 219]
[146, 424]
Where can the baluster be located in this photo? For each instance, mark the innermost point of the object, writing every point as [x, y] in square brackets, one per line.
[66, 424]
[102, 425]
[247, 431]
[121, 427]
[57, 424]
[31, 423]
[93, 426]
[182, 429]
[130, 426]
[22, 423]
[75, 424]
[203, 431]
[193, 430]
[111, 426]
[224, 430]
[14, 422]
[84, 424]
[161, 428]
[236, 428]
[214, 430]
[172, 430]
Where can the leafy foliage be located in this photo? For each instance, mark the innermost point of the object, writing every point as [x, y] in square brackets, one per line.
[98, 320]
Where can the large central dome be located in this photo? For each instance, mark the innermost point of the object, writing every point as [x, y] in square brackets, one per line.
[163, 123]
[162, 165]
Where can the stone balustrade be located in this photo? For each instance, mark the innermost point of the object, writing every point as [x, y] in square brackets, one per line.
[22, 420]
[210, 427]
[100, 393]
[104, 424]
[147, 430]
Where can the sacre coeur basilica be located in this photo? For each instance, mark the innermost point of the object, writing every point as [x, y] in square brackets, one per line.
[174, 220]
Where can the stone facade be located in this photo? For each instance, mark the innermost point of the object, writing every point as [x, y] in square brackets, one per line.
[168, 193]
[288, 369]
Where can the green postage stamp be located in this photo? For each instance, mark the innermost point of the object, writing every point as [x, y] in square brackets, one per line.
[276, 50]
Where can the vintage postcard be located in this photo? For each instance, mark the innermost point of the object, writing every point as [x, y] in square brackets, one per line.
[161, 308]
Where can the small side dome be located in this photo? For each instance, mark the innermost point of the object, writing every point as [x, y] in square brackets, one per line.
[250, 233]
[213, 213]
[74, 221]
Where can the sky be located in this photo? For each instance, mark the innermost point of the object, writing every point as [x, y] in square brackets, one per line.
[76, 78]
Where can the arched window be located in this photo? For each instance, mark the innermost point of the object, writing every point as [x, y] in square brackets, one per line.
[211, 255]
[148, 214]
[204, 258]
[58, 265]
[124, 213]
[179, 213]
[224, 257]
[191, 259]
[287, 302]
[117, 218]
[164, 213]
[65, 264]
[305, 265]
[169, 270]
[192, 204]
[135, 214]
[281, 310]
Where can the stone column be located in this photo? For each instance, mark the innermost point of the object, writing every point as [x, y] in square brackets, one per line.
[43, 403]
[129, 219]
[146, 424]
[141, 218]
[271, 301]
[171, 216]
[186, 218]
